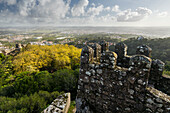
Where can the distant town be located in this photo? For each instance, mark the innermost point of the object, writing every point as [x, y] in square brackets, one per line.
[66, 35]
[10, 37]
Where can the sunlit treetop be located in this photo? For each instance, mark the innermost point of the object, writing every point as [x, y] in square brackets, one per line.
[51, 58]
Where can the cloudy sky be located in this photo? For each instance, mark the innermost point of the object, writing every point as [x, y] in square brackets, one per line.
[85, 12]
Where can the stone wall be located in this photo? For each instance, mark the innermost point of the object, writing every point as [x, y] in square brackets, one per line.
[59, 105]
[14, 51]
[113, 82]
[157, 80]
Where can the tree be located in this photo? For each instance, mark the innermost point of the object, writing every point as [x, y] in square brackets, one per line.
[51, 58]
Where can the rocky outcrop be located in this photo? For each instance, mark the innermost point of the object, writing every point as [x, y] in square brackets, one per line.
[113, 82]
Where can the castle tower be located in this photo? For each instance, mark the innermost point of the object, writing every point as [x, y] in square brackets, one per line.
[18, 46]
[97, 50]
[144, 50]
[104, 46]
[121, 51]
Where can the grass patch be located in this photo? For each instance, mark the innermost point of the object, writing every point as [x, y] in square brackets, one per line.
[72, 106]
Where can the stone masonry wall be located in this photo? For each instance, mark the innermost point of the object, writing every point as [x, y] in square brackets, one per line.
[112, 82]
[60, 105]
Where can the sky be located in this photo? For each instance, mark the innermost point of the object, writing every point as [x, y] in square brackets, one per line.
[84, 12]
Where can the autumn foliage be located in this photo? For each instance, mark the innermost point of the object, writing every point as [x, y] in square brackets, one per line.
[51, 58]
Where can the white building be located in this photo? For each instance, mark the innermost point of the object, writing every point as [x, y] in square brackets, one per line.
[38, 37]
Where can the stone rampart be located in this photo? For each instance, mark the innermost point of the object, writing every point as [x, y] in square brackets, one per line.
[60, 105]
[113, 82]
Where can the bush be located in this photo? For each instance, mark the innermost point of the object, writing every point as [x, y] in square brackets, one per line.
[35, 103]
[72, 106]
[66, 80]
[27, 83]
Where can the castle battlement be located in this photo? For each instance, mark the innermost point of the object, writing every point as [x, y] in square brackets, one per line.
[113, 82]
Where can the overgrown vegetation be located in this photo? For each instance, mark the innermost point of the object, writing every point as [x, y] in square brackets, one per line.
[72, 107]
[34, 103]
[31, 80]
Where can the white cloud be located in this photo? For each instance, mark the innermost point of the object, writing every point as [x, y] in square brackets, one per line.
[59, 12]
[93, 11]
[93, 4]
[143, 11]
[107, 19]
[163, 14]
[9, 2]
[26, 7]
[90, 21]
[107, 9]
[116, 8]
[43, 2]
[132, 16]
[31, 11]
[79, 9]
[45, 9]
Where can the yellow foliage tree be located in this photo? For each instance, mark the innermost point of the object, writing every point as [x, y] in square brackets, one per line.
[35, 58]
